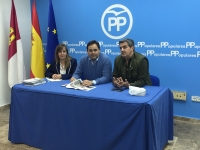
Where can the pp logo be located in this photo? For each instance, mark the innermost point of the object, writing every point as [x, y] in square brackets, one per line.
[174, 53]
[82, 43]
[150, 52]
[164, 44]
[65, 42]
[118, 23]
[108, 51]
[141, 44]
[190, 44]
[100, 43]
[198, 53]
[72, 50]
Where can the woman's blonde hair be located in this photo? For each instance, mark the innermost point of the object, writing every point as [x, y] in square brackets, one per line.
[59, 49]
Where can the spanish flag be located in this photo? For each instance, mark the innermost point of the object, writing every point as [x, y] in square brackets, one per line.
[16, 69]
[37, 53]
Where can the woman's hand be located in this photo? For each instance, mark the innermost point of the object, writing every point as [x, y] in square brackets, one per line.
[56, 76]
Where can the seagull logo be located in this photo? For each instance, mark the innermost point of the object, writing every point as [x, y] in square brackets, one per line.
[116, 24]
[116, 13]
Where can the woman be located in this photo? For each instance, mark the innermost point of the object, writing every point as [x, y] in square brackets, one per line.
[63, 66]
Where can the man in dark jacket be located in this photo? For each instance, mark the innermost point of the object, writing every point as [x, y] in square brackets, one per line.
[130, 68]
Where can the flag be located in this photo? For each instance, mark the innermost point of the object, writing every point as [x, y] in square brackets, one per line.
[37, 53]
[52, 37]
[16, 69]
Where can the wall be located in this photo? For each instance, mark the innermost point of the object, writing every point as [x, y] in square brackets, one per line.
[167, 32]
[24, 24]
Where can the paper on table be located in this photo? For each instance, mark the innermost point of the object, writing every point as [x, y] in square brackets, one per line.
[84, 88]
[33, 81]
[52, 80]
[77, 84]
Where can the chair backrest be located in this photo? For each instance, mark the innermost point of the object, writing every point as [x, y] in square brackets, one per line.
[155, 80]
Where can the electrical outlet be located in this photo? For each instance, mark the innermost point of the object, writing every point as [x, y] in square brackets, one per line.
[195, 98]
[179, 95]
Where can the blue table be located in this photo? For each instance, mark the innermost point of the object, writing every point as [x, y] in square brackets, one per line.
[51, 117]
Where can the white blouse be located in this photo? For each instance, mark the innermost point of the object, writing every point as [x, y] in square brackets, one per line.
[62, 69]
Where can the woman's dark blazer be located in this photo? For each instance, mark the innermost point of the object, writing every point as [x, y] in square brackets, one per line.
[54, 68]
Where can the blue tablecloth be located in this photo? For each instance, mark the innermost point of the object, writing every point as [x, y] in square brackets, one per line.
[52, 117]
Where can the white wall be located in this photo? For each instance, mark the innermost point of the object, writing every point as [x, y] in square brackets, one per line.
[23, 12]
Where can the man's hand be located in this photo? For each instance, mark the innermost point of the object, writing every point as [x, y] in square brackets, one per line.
[118, 82]
[126, 84]
[72, 79]
[114, 81]
[87, 83]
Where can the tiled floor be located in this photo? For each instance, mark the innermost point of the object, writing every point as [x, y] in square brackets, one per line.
[186, 133]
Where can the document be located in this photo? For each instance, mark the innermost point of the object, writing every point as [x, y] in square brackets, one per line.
[33, 81]
[52, 80]
[77, 85]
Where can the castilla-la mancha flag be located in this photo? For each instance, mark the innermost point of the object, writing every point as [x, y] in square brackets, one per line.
[16, 69]
[37, 53]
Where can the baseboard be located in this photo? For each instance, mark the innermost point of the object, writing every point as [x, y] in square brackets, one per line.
[2, 108]
[187, 119]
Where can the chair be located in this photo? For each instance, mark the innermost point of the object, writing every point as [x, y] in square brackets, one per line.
[155, 80]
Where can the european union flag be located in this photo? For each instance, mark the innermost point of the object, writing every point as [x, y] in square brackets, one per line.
[52, 37]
